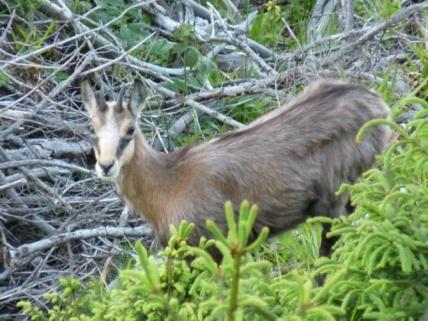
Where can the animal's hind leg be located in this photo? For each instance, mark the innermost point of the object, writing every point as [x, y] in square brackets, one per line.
[349, 208]
[332, 208]
[327, 243]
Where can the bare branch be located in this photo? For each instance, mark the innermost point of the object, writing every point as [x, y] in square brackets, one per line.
[56, 240]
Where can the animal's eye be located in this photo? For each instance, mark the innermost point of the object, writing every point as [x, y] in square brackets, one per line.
[92, 134]
[94, 139]
[130, 131]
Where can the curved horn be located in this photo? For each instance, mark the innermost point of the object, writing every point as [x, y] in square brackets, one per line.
[119, 103]
[101, 102]
[100, 97]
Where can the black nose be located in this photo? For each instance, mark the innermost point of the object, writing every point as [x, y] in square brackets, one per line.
[106, 167]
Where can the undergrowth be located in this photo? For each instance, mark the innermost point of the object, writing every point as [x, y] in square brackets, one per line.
[378, 270]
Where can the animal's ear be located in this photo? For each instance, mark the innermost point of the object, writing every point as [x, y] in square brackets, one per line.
[138, 96]
[88, 96]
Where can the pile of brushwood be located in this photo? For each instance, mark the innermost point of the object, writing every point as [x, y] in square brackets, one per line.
[378, 270]
[210, 67]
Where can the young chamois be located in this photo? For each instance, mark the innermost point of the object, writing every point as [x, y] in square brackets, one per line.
[289, 162]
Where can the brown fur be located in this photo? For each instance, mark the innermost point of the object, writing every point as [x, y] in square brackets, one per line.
[289, 162]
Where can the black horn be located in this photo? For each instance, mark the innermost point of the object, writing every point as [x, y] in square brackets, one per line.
[102, 105]
[100, 96]
[119, 105]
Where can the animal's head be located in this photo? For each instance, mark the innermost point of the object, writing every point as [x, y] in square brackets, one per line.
[114, 125]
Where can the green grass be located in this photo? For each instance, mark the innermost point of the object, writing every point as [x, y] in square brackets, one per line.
[380, 9]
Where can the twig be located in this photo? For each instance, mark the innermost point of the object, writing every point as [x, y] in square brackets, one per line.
[234, 40]
[122, 222]
[398, 17]
[117, 59]
[56, 240]
[41, 162]
[301, 52]
[321, 14]
[245, 48]
[99, 40]
[38, 182]
[7, 29]
[45, 148]
[348, 14]
[39, 222]
[231, 6]
[205, 13]
[225, 119]
[191, 102]
[16, 180]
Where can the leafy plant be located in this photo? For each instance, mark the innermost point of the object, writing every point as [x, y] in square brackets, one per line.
[417, 71]
[270, 27]
[383, 9]
[380, 261]
[169, 288]
[249, 109]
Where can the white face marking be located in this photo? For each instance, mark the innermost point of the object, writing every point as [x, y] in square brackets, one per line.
[114, 138]
[109, 135]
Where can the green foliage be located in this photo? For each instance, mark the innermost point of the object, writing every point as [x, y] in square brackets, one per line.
[24, 8]
[3, 78]
[418, 70]
[243, 110]
[297, 249]
[27, 36]
[383, 245]
[249, 109]
[382, 9]
[169, 288]
[270, 27]
[189, 55]
[378, 270]
[201, 130]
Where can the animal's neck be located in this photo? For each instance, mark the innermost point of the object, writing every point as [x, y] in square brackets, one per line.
[142, 181]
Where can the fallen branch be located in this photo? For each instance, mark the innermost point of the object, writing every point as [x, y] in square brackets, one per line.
[223, 118]
[39, 222]
[47, 148]
[398, 17]
[42, 162]
[205, 13]
[98, 40]
[348, 14]
[15, 180]
[369, 34]
[56, 240]
[199, 106]
[322, 12]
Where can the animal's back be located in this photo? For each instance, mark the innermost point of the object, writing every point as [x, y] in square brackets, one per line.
[324, 111]
[289, 162]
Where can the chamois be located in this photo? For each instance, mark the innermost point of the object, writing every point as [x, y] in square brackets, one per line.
[290, 162]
